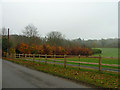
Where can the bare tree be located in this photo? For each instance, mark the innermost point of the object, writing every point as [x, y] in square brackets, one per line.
[55, 38]
[55, 34]
[4, 31]
[30, 31]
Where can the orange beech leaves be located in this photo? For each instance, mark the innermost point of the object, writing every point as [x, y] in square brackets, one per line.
[47, 49]
[23, 48]
[34, 49]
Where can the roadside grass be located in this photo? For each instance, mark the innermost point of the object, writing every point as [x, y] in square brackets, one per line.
[91, 60]
[108, 52]
[102, 79]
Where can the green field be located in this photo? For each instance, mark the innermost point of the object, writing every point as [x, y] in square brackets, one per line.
[109, 52]
[106, 52]
[90, 60]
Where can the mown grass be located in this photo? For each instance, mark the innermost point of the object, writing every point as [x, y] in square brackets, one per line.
[91, 60]
[102, 79]
[108, 52]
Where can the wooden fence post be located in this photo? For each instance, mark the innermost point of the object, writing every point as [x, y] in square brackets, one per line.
[33, 57]
[25, 55]
[45, 58]
[14, 55]
[54, 59]
[64, 61]
[99, 62]
[39, 58]
[19, 55]
[79, 61]
[22, 55]
[10, 56]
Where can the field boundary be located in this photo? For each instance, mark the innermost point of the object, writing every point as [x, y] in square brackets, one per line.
[53, 58]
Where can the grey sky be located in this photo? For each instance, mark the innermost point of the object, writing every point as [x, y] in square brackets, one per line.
[87, 20]
[0, 15]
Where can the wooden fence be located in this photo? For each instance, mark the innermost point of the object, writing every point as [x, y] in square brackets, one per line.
[49, 57]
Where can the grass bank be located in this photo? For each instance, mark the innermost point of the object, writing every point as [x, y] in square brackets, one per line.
[103, 79]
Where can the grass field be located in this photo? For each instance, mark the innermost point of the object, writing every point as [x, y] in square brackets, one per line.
[106, 52]
[90, 60]
[109, 52]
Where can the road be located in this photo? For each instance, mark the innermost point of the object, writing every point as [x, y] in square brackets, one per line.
[18, 76]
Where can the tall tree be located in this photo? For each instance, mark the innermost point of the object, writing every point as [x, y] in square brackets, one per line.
[4, 31]
[30, 31]
[55, 38]
[32, 34]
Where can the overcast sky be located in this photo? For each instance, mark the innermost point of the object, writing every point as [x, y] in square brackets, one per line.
[87, 20]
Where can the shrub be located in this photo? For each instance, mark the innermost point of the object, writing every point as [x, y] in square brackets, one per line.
[86, 51]
[4, 54]
[96, 51]
[23, 48]
[47, 49]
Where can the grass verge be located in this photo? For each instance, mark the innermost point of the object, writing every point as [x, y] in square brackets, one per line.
[103, 79]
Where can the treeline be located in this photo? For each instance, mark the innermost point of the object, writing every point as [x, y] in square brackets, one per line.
[34, 45]
[53, 43]
[102, 43]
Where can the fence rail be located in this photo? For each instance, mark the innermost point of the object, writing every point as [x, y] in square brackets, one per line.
[49, 57]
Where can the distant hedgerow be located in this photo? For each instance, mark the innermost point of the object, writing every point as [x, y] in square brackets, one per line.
[96, 51]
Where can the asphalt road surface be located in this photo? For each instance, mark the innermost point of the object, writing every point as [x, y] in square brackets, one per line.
[18, 76]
